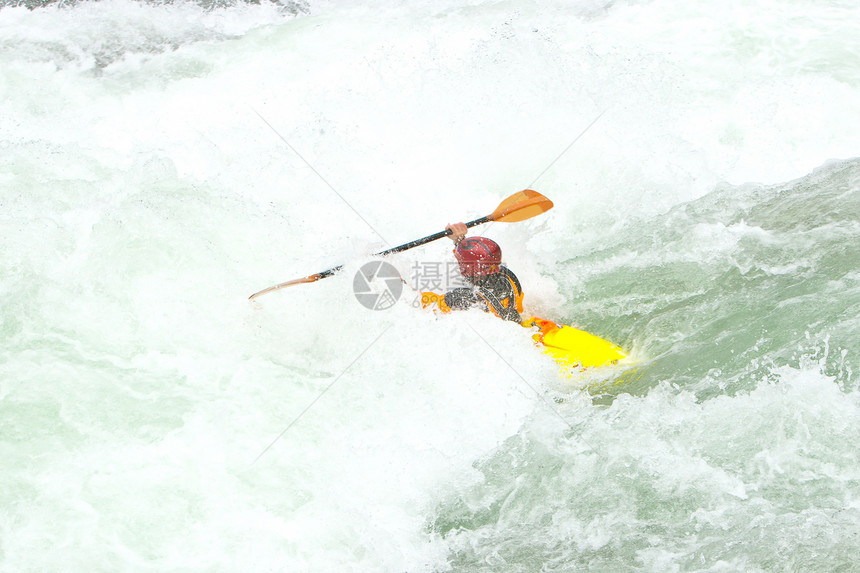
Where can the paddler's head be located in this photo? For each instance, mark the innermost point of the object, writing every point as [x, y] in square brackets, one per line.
[478, 256]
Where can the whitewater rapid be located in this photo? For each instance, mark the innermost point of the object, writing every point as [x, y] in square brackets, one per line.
[161, 162]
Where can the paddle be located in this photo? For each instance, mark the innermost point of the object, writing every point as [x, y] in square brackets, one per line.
[518, 207]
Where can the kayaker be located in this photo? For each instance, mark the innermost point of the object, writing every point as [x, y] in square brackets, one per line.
[492, 286]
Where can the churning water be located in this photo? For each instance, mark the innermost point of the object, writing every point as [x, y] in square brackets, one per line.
[161, 162]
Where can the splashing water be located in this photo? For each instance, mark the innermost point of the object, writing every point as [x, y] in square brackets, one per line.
[151, 418]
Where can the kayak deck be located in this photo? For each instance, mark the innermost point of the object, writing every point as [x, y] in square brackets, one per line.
[572, 347]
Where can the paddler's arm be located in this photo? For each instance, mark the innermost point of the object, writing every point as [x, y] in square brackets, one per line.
[458, 231]
[457, 299]
[430, 298]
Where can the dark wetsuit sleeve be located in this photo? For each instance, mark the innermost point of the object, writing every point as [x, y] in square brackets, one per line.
[463, 298]
[492, 293]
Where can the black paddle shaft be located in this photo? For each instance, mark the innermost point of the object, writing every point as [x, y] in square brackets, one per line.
[431, 238]
[407, 246]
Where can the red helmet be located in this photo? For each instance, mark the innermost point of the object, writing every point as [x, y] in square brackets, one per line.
[478, 256]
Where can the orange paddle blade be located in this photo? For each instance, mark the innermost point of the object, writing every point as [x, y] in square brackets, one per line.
[521, 206]
[309, 279]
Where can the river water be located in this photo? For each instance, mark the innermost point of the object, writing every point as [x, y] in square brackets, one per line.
[160, 162]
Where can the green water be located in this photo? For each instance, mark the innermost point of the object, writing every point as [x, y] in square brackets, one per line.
[160, 162]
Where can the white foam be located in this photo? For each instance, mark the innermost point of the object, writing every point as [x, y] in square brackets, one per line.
[144, 199]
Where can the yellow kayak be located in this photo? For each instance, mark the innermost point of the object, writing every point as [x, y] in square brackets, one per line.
[571, 347]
